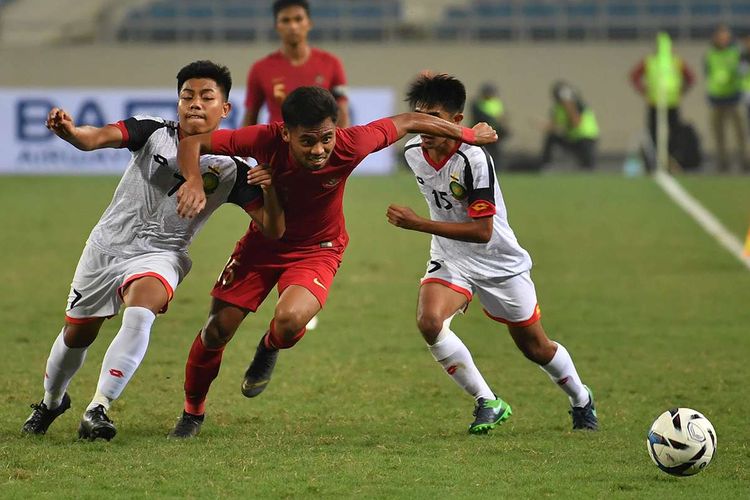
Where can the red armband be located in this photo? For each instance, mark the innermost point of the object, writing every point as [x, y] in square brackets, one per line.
[468, 135]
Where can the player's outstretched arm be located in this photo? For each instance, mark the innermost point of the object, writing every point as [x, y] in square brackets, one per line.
[420, 123]
[475, 231]
[85, 138]
[190, 197]
[270, 217]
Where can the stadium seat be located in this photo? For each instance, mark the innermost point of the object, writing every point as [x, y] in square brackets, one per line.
[494, 20]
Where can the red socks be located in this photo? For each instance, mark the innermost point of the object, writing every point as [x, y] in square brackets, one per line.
[201, 369]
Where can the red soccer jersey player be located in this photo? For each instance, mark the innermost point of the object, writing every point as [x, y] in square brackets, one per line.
[311, 159]
[295, 64]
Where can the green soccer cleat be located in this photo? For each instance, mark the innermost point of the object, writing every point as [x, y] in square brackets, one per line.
[489, 414]
[584, 418]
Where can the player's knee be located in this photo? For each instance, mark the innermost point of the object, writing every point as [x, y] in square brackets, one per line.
[282, 336]
[429, 325]
[288, 322]
[216, 334]
[538, 350]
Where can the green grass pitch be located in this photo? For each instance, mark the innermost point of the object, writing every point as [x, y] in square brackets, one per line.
[654, 312]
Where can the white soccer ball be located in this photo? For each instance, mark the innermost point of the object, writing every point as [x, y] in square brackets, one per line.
[681, 442]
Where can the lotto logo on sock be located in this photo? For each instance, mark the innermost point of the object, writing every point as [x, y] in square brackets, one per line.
[116, 373]
[452, 369]
[563, 381]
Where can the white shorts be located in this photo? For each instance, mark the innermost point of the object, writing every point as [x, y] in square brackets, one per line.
[510, 300]
[96, 291]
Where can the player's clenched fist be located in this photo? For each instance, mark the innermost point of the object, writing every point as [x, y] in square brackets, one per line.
[191, 199]
[60, 122]
[484, 134]
[402, 217]
[261, 175]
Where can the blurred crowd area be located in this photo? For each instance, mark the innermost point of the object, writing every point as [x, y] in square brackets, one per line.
[373, 20]
[529, 66]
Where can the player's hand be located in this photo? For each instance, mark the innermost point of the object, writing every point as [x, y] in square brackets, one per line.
[402, 217]
[484, 134]
[60, 122]
[261, 175]
[191, 199]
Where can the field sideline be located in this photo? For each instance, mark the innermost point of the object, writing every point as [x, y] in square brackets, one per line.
[653, 311]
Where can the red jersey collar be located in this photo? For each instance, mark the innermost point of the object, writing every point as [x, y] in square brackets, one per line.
[437, 166]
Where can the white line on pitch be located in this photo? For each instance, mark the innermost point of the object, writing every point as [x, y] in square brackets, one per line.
[701, 215]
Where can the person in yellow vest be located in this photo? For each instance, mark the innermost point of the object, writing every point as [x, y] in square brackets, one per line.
[646, 79]
[745, 75]
[489, 108]
[573, 127]
[722, 69]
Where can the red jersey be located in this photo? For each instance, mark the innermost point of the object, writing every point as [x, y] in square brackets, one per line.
[312, 199]
[272, 78]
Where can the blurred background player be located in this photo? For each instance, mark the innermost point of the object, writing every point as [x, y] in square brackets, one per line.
[137, 253]
[474, 251]
[295, 64]
[646, 78]
[573, 127]
[312, 159]
[745, 75]
[487, 107]
[722, 68]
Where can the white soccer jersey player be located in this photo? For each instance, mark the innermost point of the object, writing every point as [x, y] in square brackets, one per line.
[461, 188]
[140, 233]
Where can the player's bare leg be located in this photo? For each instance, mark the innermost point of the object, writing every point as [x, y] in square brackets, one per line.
[203, 364]
[65, 358]
[295, 308]
[143, 299]
[555, 360]
[435, 309]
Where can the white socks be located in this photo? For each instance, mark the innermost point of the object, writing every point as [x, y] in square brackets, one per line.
[124, 355]
[63, 362]
[563, 372]
[456, 360]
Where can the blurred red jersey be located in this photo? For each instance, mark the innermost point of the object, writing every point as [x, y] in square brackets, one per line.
[272, 78]
[312, 199]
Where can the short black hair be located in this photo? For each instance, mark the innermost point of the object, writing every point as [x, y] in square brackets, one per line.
[206, 69]
[280, 5]
[309, 106]
[437, 90]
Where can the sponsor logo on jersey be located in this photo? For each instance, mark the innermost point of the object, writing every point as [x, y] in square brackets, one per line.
[211, 179]
[317, 282]
[329, 183]
[480, 206]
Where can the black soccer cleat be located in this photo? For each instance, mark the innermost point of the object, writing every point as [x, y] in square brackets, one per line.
[187, 426]
[96, 424]
[258, 374]
[584, 418]
[41, 418]
[489, 414]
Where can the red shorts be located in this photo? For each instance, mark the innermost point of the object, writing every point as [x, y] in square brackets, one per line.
[256, 267]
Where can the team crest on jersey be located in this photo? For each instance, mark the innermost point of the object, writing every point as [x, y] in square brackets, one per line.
[457, 190]
[319, 80]
[211, 179]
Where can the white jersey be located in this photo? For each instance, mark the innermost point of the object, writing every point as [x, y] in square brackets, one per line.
[142, 216]
[462, 188]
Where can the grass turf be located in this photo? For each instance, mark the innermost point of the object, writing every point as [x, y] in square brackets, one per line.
[653, 311]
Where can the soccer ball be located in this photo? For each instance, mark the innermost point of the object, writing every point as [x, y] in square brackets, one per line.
[681, 442]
